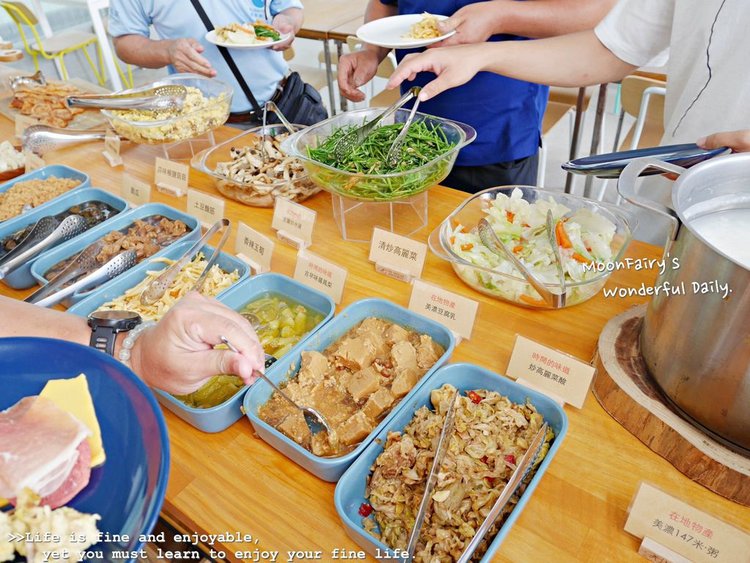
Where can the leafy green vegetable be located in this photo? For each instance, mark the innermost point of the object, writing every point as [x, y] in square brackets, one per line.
[266, 31]
[424, 143]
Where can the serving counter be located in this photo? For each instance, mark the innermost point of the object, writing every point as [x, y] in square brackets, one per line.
[232, 482]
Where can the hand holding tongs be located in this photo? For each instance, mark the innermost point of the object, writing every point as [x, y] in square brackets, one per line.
[522, 470]
[157, 288]
[346, 142]
[159, 97]
[442, 447]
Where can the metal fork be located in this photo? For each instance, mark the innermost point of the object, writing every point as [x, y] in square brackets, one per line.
[315, 421]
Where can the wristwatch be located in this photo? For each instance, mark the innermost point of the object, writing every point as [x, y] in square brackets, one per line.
[106, 324]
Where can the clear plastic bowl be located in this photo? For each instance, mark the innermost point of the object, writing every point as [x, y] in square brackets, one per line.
[256, 192]
[186, 125]
[377, 187]
[509, 287]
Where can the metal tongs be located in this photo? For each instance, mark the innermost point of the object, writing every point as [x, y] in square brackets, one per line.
[315, 421]
[345, 144]
[41, 139]
[522, 470]
[271, 106]
[157, 97]
[558, 259]
[46, 233]
[396, 150]
[84, 263]
[36, 79]
[493, 242]
[157, 288]
[442, 447]
[116, 265]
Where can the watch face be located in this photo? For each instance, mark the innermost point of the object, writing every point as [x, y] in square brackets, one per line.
[114, 315]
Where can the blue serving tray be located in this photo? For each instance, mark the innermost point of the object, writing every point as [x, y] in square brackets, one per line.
[128, 489]
[135, 275]
[57, 170]
[350, 490]
[220, 417]
[610, 165]
[22, 278]
[328, 468]
[122, 221]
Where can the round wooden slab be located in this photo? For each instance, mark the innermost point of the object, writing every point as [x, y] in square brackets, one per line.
[626, 391]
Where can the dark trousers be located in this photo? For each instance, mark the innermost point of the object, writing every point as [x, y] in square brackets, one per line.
[473, 179]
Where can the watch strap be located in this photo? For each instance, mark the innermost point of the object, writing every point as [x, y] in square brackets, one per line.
[103, 338]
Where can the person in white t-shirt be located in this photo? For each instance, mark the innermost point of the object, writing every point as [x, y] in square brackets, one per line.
[708, 88]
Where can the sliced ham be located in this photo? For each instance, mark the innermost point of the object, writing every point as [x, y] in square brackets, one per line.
[44, 448]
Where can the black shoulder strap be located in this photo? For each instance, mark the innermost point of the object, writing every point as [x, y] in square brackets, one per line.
[228, 58]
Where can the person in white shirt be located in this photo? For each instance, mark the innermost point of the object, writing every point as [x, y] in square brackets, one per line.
[708, 88]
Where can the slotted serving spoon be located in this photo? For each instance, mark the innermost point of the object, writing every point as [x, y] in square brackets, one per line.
[345, 144]
[47, 232]
[522, 470]
[116, 265]
[159, 97]
[315, 421]
[36, 79]
[493, 242]
[41, 139]
[84, 263]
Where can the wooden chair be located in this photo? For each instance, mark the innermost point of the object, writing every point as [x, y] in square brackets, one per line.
[57, 45]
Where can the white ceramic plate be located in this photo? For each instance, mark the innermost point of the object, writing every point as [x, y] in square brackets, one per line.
[391, 32]
[211, 38]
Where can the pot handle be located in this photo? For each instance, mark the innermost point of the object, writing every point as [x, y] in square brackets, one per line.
[626, 188]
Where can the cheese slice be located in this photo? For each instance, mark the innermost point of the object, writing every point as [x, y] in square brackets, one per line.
[72, 395]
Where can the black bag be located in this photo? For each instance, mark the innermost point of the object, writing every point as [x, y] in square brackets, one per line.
[300, 102]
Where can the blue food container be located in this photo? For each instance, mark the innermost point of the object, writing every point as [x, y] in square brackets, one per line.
[350, 490]
[56, 170]
[331, 468]
[21, 278]
[122, 221]
[220, 417]
[136, 275]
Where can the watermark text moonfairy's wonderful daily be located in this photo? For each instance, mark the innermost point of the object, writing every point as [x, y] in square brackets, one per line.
[636, 264]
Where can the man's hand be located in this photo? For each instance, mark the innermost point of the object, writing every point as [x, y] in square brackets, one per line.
[738, 141]
[453, 66]
[474, 23]
[355, 70]
[284, 24]
[178, 355]
[185, 56]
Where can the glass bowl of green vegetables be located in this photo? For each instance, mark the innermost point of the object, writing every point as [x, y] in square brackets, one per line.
[428, 155]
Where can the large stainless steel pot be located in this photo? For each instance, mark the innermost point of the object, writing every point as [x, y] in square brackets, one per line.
[697, 345]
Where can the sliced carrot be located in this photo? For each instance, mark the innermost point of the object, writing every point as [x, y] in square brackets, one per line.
[581, 258]
[518, 248]
[453, 240]
[467, 246]
[509, 215]
[531, 301]
[562, 236]
[525, 225]
[464, 230]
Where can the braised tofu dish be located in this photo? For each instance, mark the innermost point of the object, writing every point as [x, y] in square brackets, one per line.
[354, 384]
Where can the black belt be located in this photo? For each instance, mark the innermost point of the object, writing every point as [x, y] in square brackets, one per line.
[252, 115]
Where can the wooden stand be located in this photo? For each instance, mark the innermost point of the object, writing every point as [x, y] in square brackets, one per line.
[627, 392]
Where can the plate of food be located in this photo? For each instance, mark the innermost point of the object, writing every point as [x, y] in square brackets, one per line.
[256, 35]
[408, 31]
[84, 454]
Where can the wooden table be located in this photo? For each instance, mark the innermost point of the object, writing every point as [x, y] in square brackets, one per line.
[233, 481]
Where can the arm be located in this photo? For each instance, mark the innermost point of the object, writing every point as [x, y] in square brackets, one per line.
[476, 22]
[176, 355]
[357, 69]
[287, 21]
[578, 59]
[184, 54]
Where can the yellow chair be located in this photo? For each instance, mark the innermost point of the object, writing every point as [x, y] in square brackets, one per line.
[57, 45]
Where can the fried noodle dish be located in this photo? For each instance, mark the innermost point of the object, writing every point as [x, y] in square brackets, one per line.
[490, 434]
[426, 28]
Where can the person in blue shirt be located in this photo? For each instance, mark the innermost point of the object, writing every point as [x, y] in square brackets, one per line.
[506, 113]
[182, 45]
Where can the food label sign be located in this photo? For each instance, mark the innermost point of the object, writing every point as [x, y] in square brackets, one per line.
[396, 255]
[455, 311]
[293, 222]
[254, 247]
[320, 274]
[206, 208]
[134, 190]
[171, 177]
[550, 371]
[684, 529]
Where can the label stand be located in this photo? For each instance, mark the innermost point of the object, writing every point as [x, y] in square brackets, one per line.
[652, 550]
[255, 268]
[356, 219]
[557, 398]
[393, 272]
[170, 190]
[291, 240]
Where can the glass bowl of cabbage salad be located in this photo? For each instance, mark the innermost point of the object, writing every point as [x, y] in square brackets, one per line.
[591, 237]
